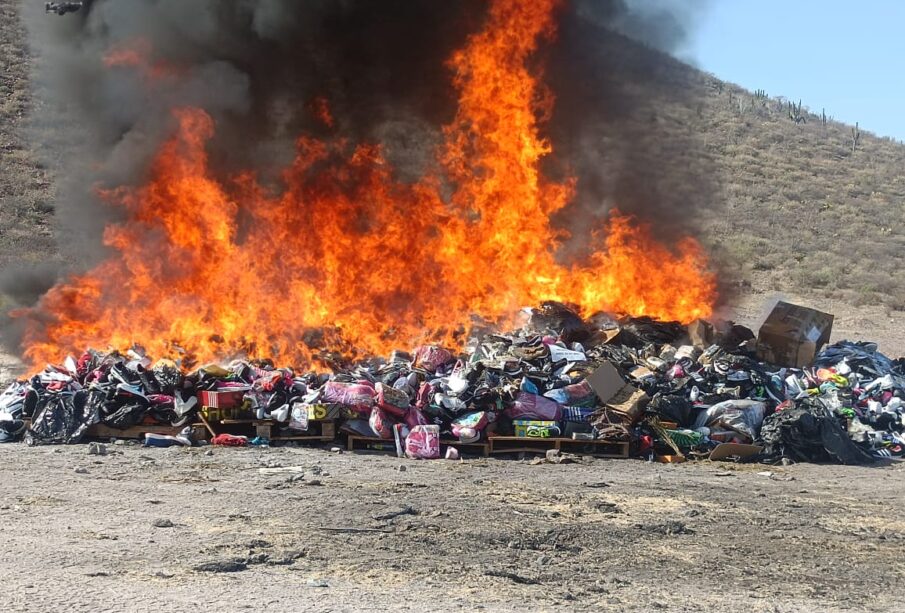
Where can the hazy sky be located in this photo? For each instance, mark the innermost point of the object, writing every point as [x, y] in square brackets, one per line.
[846, 56]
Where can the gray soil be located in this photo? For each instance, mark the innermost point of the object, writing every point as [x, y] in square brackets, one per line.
[181, 530]
[171, 530]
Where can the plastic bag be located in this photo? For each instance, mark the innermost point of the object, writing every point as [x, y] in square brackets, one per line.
[431, 357]
[423, 443]
[393, 401]
[380, 423]
[742, 416]
[357, 396]
[532, 406]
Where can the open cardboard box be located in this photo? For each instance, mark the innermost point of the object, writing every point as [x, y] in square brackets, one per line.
[623, 398]
[792, 335]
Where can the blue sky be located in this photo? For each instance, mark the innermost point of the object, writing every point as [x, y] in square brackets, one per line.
[847, 56]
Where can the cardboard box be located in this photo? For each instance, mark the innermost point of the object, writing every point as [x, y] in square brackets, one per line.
[792, 335]
[605, 381]
[623, 398]
[531, 428]
[735, 450]
[629, 402]
[701, 333]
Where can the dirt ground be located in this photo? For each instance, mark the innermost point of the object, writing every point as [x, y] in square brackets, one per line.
[294, 529]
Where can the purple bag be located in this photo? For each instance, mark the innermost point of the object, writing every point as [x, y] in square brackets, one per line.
[532, 406]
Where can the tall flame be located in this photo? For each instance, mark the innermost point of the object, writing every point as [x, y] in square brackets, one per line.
[345, 256]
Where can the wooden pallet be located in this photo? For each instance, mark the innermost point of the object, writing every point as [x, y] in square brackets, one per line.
[520, 444]
[138, 432]
[355, 442]
[318, 430]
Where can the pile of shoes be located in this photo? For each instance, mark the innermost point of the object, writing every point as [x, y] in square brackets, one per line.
[668, 389]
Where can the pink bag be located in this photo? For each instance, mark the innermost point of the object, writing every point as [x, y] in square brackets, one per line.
[431, 357]
[532, 406]
[425, 395]
[423, 443]
[393, 401]
[380, 424]
[416, 417]
[357, 396]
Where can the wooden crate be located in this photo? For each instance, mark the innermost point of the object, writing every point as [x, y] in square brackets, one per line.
[518, 444]
[318, 430]
[355, 442]
[138, 432]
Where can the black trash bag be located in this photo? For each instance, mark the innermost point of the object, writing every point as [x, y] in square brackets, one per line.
[650, 331]
[861, 357]
[168, 377]
[62, 418]
[676, 408]
[809, 434]
[126, 416]
[560, 319]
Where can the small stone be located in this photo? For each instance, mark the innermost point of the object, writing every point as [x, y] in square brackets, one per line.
[402, 468]
[553, 456]
[209, 452]
[118, 441]
[162, 523]
[314, 482]
[317, 583]
[81, 470]
[336, 449]
[97, 449]
[221, 566]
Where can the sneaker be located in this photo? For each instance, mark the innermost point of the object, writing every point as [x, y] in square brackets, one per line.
[130, 391]
[281, 414]
[184, 407]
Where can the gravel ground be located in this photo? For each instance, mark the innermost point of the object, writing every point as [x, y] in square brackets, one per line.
[288, 529]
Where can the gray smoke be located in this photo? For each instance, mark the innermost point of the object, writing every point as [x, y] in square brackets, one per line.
[256, 66]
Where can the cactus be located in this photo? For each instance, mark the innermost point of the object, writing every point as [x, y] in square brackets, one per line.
[856, 137]
[795, 112]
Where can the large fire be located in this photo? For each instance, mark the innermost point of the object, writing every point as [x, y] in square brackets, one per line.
[346, 257]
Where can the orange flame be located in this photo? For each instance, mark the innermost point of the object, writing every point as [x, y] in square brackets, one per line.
[346, 257]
